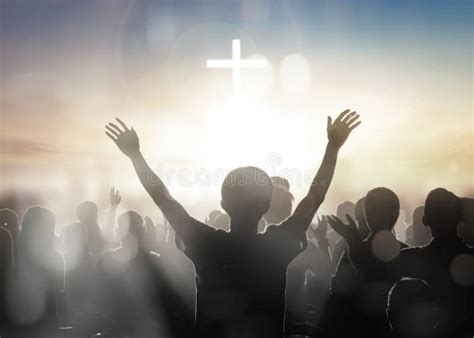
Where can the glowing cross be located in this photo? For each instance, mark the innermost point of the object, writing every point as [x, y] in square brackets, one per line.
[236, 63]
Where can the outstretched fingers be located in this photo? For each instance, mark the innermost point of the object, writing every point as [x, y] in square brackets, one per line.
[112, 131]
[354, 125]
[124, 126]
[336, 224]
[348, 116]
[352, 224]
[351, 118]
[112, 137]
[116, 128]
[342, 115]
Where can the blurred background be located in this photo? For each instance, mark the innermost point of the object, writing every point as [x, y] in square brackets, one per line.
[69, 67]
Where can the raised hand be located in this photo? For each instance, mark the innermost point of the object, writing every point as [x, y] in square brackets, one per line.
[126, 139]
[114, 197]
[348, 231]
[321, 231]
[339, 131]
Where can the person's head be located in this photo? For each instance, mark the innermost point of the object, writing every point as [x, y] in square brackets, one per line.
[246, 195]
[87, 212]
[278, 180]
[443, 212]
[213, 216]
[466, 227]
[382, 209]
[38, 228]
[130, 226]
[417, 215]
[412, 309]
[281, 203]
[468, 210]
[344, 209]
[222, 222]
[9, 220]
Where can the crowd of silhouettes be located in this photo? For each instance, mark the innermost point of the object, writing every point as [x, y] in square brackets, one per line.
[256, 268]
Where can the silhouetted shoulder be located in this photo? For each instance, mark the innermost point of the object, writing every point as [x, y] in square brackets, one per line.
[287, 243]
[200, 240]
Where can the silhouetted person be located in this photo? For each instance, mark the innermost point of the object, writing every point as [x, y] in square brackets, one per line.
[400, 228]
[369, 257]
[212, 217]
[222, 222]
[343, 209]
[281, 207]
[417, 233]
[87, 214]
[308, 281]
[150, 241]
[281, 181]
[281, 204]
[446, 263]
[344, 281]
[83, 289]
[7, 265]
[466, 227]
[9, 220]
[413, 310]
[241, 275]
[307, 272]
[179, 272]
[136, 300]
[99, 239]
[39, 271]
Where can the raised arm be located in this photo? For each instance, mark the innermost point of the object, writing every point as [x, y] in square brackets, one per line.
[338, 132]
[127, 141]
[109, 225]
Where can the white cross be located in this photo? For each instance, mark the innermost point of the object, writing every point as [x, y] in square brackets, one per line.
[236, 63]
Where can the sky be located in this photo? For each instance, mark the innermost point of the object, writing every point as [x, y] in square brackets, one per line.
[69, 67]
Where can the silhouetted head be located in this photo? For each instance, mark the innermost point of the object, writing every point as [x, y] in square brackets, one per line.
[246, 195]
[87, 212]
[418, 215]
[412, 309]
[222, 222]
[281, 204]
[213, 216]
[382, 208]
[130, 226]
[468, 210]
[38, 229]
[278, 180]
[9, 220]
[345, 208]
[443, 212]
[466, 227]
